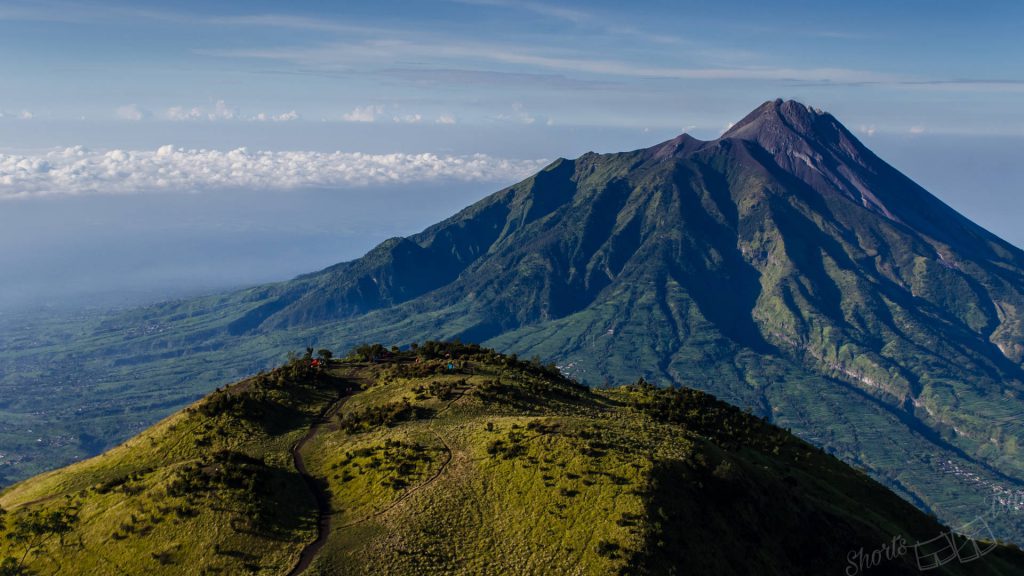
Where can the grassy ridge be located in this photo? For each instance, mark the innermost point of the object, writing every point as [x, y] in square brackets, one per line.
[455, 459]
[211, 488]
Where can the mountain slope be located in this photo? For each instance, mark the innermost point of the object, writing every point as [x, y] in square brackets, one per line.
[494, 465]
[782, 267]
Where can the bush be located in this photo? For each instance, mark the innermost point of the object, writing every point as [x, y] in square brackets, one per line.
[11, 567]
[374, 416]
[725, 471]
[608, 549]
[369, 352]
[511, 447]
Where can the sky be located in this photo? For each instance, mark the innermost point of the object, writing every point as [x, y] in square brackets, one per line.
[134, 128]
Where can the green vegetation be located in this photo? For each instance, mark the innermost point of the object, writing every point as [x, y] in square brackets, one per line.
[783, 268]
[384, 415]
[210, 490]
[491, 465]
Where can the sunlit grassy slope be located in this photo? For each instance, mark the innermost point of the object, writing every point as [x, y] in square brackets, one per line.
[455, 459]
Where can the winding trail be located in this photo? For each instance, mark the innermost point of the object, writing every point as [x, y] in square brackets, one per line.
[324, 512]
[323, 501]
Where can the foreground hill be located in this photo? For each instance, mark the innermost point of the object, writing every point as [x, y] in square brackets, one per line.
[456, 459]
[782, 267]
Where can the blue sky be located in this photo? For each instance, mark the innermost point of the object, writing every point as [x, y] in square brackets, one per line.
[389, 115]
[942, 67]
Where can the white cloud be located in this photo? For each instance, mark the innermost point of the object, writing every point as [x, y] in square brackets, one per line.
[867, 130]
[553, 11]
[339, 55]
[917, 129]
[363, 114]
[219, 111]
[295, 23]
[522, 115]
[222, 111]
[179, 113]
[80, 170]
[408, 119]
[445, 119]
[130, 112]
[23, 115]
[285, 117]
[519, 114]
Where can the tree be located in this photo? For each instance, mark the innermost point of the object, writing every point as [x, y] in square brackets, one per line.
[11, 567]
[32, 530]
[325, 355]
[60, 523]
[643, 385]
[27, 530]
[370, 353]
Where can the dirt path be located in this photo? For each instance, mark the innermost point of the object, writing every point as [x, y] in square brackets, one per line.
[324, 513]
[323, 502]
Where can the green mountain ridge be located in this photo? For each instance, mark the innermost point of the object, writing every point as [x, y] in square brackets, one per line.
[455, 459]
[782, 267]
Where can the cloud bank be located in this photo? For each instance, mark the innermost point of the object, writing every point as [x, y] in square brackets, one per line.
[80, 170]
[219, 112]
[363, 114]
[23, 115]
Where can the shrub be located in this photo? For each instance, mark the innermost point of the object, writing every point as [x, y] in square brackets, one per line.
[374, 416]
[608, 549]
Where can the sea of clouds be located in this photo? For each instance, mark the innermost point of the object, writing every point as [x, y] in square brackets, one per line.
[80, 170]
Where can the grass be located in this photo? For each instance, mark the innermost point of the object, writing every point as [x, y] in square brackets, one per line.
[205, 491]
[493, 466]
[542, 504]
